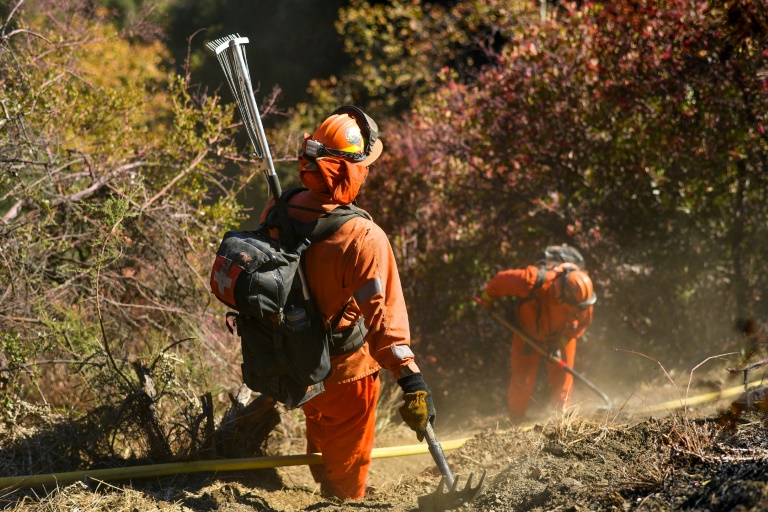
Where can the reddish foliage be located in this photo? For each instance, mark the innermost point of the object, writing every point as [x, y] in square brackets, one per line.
[618, 129]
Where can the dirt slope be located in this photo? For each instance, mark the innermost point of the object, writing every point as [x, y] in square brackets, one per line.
[585, 460]
[567, 464]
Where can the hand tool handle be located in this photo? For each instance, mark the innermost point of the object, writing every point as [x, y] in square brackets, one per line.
[437, 454]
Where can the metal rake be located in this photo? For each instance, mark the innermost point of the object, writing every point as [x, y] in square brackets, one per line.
[231, 54]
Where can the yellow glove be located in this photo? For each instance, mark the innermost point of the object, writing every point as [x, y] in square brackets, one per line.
[417, 410]
[419, 407]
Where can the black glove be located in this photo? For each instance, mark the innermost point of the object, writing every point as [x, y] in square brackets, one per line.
[419, 407]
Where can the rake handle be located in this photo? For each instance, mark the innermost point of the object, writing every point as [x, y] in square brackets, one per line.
[438, 455]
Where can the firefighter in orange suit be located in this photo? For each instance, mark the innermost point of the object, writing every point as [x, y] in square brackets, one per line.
[355, 267]
[554, 307]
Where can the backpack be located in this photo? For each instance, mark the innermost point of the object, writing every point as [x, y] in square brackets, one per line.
[554, 255]
[286, 346]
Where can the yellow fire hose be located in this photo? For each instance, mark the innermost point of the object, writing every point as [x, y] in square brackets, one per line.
[201, 466]
[708, 397]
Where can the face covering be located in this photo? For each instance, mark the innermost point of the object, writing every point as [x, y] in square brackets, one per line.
[333, 176]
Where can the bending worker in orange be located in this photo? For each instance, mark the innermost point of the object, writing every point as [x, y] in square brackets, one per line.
[554, 307]
[353, 272]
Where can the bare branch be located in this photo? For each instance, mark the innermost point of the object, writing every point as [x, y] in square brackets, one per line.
[24, 31]
[189, 52]
[166, 349]
[105, 338]
[145, 306]
[12, 212]
[690, 378]
[17, 190]
[55, 361]
[752, 366]
[195, 163]
[22, 161]
[10, 16]
[22, 319]
[655, 361]
[269, 102]
[195, 272]
[101, 182]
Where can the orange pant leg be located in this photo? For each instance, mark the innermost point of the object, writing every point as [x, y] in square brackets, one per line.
[524, 367]
[340, 424]
[560, 381]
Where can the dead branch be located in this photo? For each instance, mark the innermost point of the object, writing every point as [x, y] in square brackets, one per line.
[245, 428]
[10, 17]
[159, 448]
[749, 367]
[99, 183]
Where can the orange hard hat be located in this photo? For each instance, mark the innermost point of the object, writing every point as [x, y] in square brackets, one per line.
[347, 133]
[575, 288]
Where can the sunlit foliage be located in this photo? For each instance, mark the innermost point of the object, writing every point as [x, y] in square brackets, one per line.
[112, 192]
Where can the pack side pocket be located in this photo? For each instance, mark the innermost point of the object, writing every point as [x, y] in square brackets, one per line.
[308, 354]
[256, 344]
[261, 370]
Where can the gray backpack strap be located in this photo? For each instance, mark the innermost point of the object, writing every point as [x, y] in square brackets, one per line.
[328, 224]
[541, 278]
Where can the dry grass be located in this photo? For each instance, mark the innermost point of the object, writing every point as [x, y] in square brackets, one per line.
[570, 427]
[82, 498]
[690, 438]
[35, 439]
[289, 436]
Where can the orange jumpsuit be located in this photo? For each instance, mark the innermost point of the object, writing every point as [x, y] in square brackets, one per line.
[548, 320]
[357, 263]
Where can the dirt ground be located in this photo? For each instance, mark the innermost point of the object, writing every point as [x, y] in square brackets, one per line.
[631, 457]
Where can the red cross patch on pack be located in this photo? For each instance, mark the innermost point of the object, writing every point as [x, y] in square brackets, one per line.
[223, 277]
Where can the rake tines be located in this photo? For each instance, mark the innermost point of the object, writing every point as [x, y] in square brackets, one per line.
[231, 54]
[448, 497]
